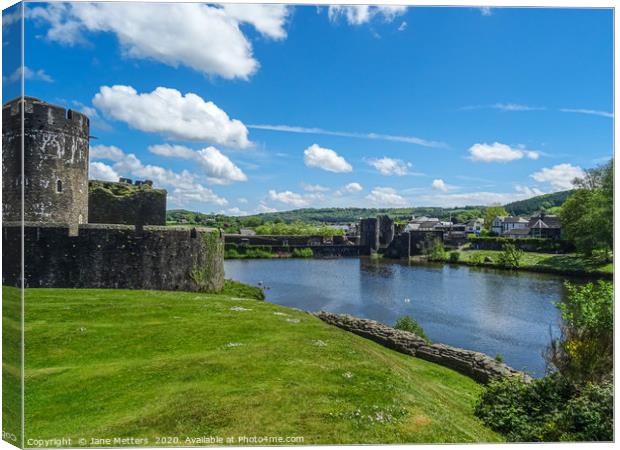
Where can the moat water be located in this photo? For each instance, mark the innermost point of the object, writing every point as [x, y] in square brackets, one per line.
[491, 311]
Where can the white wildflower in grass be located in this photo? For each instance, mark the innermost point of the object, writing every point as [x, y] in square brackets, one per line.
[239, 308]
[319, 343]
[293, 320]
[278, 313]
[347, 375]
[234, 344]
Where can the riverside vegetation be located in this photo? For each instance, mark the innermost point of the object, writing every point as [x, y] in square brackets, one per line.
[111, 363]
[574, 402]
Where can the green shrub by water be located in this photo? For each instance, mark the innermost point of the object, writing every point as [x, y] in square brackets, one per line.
[511, 256]
[302, 253]
[437, 252]
[454, 257]
[407, 323]
[574, 402]
[548, 409]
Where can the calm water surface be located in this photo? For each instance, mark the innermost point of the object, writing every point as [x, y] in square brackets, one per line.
[491, 311]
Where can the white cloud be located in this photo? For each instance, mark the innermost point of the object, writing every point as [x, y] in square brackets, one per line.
[242, 200]
[353, 187]
[234, 212]
[314, 187]
[506, 107]
[528, 191]
[101, 171]
[403, 26]
[262, 208]
[210, 39]
[361, 14]
[516, 107]
[486, 10]
[29, 74]
[498, 152]
[288, 197]
[478, 198]
[389, 166]
[196, 194]
[169, 112]
[269, 20]
[183, 187]
[370, 136]
[385, 197]
[109, 152]
[9, 18]
[325, 159]
[218, 168]
[560, 177]
[593, 112]
[439, 185]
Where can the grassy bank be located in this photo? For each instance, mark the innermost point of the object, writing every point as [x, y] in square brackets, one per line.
[567, 264]
[115, 363]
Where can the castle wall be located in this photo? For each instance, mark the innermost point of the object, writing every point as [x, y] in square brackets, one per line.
[115, 257]
[55, 174]
[144, 206]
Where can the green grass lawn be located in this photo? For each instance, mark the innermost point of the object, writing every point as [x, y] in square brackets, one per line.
[114, 363]
[565, 263]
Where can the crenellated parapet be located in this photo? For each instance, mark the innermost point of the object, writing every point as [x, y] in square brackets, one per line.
[54, 179]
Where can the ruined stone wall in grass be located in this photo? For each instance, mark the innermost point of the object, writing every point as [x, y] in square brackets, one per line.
[475, 365]
[115, 256]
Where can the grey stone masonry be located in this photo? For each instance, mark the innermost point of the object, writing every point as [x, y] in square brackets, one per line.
[478, 366]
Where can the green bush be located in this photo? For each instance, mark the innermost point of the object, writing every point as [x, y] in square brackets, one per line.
[547, 409]
[499, 357]
[302, 253]
[454, 257]
[232, 251]
[436, 252]
[511, 256]
[407, 323]
[584, 351]
[476, 259]
[575, 401]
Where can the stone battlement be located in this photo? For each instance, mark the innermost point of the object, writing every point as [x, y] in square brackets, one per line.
[37, 112]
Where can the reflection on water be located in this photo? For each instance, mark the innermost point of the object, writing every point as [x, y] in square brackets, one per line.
[495, 312]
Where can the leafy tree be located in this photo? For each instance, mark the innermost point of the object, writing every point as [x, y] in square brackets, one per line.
[584, 352]
[587, 215]
[491, 213]
[510, 257]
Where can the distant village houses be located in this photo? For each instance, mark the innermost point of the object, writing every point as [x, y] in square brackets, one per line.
[539, 225]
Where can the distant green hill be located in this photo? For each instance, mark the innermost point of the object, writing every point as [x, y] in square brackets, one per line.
[349, 215]
[535, 204]
[344, 215]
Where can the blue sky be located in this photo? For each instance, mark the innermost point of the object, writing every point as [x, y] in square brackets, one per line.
[248, 109]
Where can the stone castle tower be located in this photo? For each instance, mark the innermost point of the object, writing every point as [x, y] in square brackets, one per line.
[55, 163]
